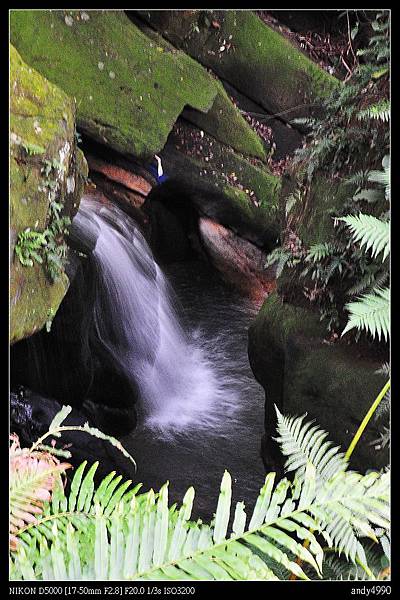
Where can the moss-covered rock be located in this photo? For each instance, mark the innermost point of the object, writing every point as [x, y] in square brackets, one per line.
[44, 163]
[249, 184]
[223, 121]
[310, 216]
[301, 373]
[254, 58]
[129, 88]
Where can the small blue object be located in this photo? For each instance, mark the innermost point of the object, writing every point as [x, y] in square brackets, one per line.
[153, 171]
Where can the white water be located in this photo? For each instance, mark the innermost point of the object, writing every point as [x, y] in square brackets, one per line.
[137, 323]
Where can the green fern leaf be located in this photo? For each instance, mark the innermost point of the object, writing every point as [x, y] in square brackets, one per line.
[142, 541]
[379, 111]
[382, 177]
[371, 313]
[304, 445]
[371, 232]
[318, 252]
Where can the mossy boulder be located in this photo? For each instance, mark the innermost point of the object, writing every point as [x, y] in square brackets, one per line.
[223, 120]
[248, 183]
[301, 372]
[257, 60]
[44, 162]
[310, 213]
[129, 88]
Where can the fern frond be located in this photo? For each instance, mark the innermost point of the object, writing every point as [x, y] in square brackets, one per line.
[371, 232]
[382, 177]
[380, 111]
[306, 444]
[384, 406]
[142, 540]
[280, 257]
[318, 252]
[371, 279]
[336, 568]
[32, 479]
[359, 179]
[371, 313]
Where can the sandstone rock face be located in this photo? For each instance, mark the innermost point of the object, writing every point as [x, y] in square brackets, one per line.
[301, 372]
[46, 176]
[254, 58]
[240, 262]
[128, 179]
[129, 88]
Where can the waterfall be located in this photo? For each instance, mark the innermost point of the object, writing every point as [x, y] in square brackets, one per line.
[137, 325]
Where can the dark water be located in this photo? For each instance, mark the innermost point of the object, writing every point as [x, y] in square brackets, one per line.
[179, 335]
[197, 452]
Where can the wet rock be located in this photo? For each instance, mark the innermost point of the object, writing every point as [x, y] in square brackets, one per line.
[301, 372]
[240, 262]
[175, 206]
[128, 179]
[204, 162]
[254, 58]
[111, 68]
[46, 169]
[115, 193]
[31, 415]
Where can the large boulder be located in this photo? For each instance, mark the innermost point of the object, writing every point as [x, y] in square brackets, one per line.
[46, 177]
[242, 50]
[302, 372]
[175, 206]
[129, 88]
[240, 262]
[223, 121]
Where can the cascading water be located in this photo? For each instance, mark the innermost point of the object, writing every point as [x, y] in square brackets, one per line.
[137, 325]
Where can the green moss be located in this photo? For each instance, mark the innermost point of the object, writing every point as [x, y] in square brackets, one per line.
[224, 122]
[42, 116]
[258, 218]
[312, 218]
[283, 319]
[33, 299]
[216, 171]
[259, 62]
[129, 90]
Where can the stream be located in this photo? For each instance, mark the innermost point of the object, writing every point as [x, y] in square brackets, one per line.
[179, 335]
[227, 434]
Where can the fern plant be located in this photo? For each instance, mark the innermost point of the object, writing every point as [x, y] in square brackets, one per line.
[371, 312]
[29, 247]
[113, 532]
[354, 123]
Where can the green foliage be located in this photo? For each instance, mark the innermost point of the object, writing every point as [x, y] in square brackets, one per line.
[370, 232]
[56, 428]
[348, 265]
[29, 247]
[112, 532]
[280, 257]
[384, 407]
[318, 252]
[380, 110]
[47, 247]
[371, 313]
[354, 125]
[350, 138]
[33, 149]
